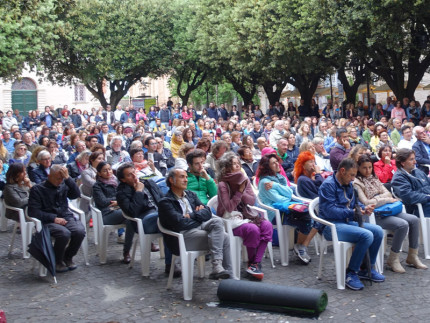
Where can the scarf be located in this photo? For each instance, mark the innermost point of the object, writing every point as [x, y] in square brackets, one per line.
[140, 166]
[234, 180]
[371, 186]
[113, 181]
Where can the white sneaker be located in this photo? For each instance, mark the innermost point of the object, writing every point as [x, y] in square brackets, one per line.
[121, 239]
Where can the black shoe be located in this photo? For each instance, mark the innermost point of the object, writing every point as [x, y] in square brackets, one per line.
[61, 268]
[127, 259]
[176, 271]
[154, 248]
[222, 275]
[70, 264]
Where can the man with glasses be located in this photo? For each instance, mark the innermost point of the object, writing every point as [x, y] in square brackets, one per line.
[41, 173]
[154, 155]
[165, 152]
[408, 139]
[80, 147]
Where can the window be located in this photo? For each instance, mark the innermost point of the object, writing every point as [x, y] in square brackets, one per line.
[80, 93]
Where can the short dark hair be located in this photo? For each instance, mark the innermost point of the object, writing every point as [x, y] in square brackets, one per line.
[196, 153]
[382, 149]
[89, 137]
[340, 131]
[241, 150]
[101, 165]
[171, 174]
[134, 152]
[404, 128]
[347, 164]
[402, 155]
[146, 143]
[122, 168]
[370, 123]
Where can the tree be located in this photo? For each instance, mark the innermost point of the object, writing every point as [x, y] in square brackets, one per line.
[359, 72]
[27, 28]
[111, 41]
[391, 37]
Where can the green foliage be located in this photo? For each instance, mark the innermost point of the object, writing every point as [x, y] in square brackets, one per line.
[27, 28]
[117, 41]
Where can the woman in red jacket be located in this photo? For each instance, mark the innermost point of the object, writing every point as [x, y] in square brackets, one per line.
[385, 167]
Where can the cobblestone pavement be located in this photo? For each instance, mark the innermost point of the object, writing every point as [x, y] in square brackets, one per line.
[112, 292]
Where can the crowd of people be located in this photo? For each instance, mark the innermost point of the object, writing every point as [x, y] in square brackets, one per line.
[168, 162]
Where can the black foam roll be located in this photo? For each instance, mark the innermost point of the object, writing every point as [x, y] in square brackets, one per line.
[278, 297]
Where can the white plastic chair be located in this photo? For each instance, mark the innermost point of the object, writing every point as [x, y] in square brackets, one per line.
[425, 227]
[81, 216]
[145, 245]
[3, 218]
[102, 231]
[26, 224]
[285, 233]
[236, 242]
[341, 249]
[88, 199]
[187, 263]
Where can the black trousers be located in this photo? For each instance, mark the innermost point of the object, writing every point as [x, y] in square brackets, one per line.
[72, 234]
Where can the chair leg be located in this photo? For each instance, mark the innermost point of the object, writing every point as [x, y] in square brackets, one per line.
[161, 246]
[172, 269]
[103, 246]
[323, 244]
[270, 249]
[187, 277]
[26, 238]
[133, 253]
[3, 218]
[15, 227]
[426, 240]
[145, 251]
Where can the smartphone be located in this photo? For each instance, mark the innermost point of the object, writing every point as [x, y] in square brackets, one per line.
[151, 156]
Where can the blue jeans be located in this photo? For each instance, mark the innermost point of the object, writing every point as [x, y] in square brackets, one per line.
[369, 237]
[149, 223]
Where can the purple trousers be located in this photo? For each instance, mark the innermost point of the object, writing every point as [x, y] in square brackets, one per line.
[255, 238]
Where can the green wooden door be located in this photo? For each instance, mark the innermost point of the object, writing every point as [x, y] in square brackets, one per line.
[24, 100]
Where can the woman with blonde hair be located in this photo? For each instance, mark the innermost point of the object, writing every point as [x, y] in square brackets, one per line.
[176, 142]
[303, 134]
[4, 154]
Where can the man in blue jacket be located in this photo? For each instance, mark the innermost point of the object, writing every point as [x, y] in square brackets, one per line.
[337, 203]
[422, 149]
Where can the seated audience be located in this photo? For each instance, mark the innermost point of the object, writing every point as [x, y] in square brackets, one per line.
[337, 204]
[139, 199]
[372, 192]
[341, 148]
[182, 211]
[199, 181]
[41, 172]
[104, 196]
[249, 165]
[48, 202]
[411, 184]
[235, 194]
[272, 188]
[385, 167]
[17, 189]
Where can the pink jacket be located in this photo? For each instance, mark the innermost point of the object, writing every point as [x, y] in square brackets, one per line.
[229, 196]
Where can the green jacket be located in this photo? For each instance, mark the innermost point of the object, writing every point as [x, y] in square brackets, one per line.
[395, 137]
[367, 135]
[205, 189]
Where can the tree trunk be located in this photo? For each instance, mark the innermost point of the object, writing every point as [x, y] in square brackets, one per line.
[240, 86]
[193, 80]
[351, 90]
[273, 90]
[307, 85]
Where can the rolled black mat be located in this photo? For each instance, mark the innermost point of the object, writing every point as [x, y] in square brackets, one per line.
[270, 296]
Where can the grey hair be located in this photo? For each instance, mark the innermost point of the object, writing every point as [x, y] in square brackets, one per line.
[171, 174]
[42, 154]
[85, 153]
[135, 145]
[225, 164]
[55, 168]
[114, 139]
[318, 140]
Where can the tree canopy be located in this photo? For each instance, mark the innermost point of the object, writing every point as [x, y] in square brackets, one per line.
[115, 41]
